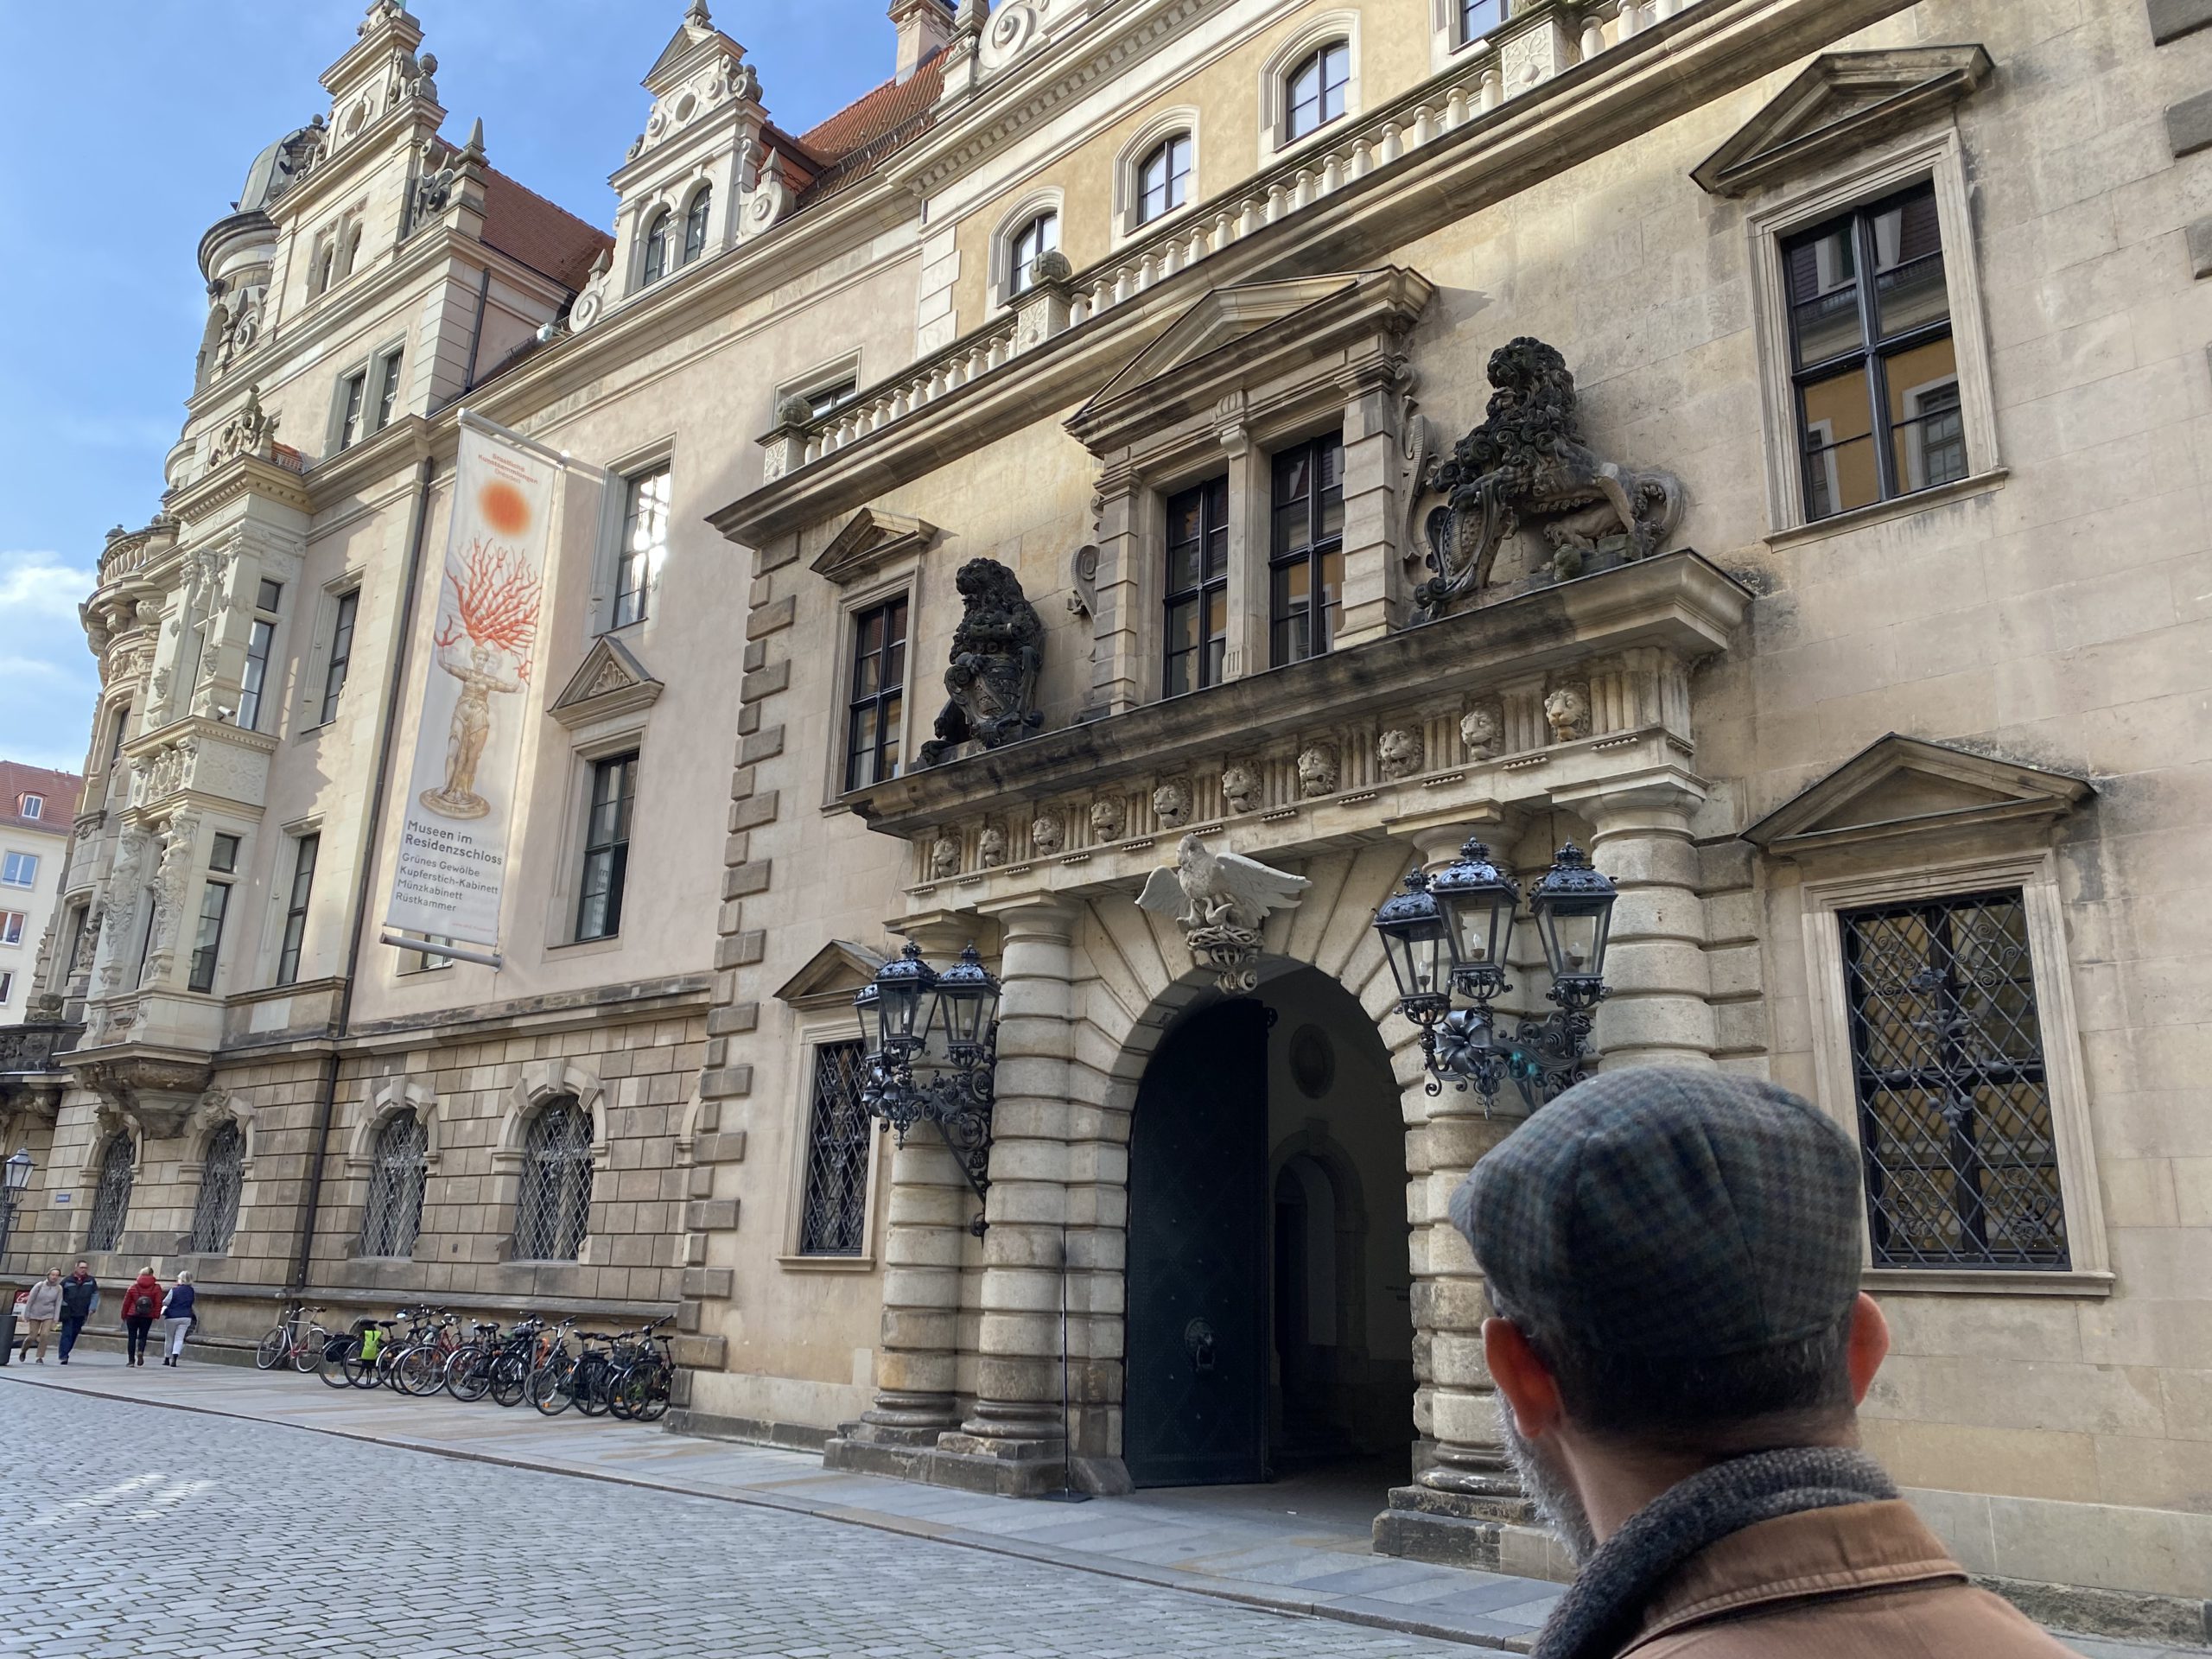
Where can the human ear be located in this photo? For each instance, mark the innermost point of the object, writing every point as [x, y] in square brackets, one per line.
[1521, 1377]
[1867, 1346]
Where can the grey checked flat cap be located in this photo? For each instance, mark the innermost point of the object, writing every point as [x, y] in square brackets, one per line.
[1667, 1213]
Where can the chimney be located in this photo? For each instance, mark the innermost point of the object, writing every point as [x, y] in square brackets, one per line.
[923, 27]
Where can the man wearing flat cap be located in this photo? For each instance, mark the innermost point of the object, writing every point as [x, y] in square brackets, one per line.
[1679, 1347]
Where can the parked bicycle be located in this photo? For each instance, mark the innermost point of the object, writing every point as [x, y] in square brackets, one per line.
[297, 1339]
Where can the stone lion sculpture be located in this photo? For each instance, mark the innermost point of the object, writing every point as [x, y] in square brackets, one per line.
[944, 857]
[990, 846]
[1567, 708]
[1171, 804]
[1240, 787]
[1108, 818]
[1482, 730]
[1318, 770]
[1398, 752]
[997, 650]
[1047, 835]
[1528, 461]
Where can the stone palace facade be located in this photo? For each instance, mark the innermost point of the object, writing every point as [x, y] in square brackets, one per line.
[1762, 442]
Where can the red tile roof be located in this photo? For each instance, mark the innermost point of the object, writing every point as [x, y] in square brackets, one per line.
[868, 132]
[60, 789]
[550, 240]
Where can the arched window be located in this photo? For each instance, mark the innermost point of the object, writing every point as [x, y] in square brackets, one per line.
[553, 1210]
[352, 250]
[1039, 236]
[215, 1212]
[393, 1218]
[1164, 178]
[695, 223]
[111, 1201]
[1314, 95]
[325, 267]
[657, 250]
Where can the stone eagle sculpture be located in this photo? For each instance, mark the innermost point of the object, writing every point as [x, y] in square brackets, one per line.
[1220, 900]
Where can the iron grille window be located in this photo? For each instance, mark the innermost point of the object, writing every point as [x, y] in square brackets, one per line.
[695, 223]
[656, 251]
[875, 709]
[1875, 368]
[607, 847]
[1164, 178]
[207, 943]
[1306, 550]
[1198, 587]
[342, 654]
[304, 851]
[392, 1219]
[1479, 17]
[111, 1199]
[645, 544]
[1041, 236]
[835, 1218]
[222, 1173]
[553, 1210]
[1316, 89]
[1955, 1109]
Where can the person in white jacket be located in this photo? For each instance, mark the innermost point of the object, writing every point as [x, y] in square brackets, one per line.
[41, 1308]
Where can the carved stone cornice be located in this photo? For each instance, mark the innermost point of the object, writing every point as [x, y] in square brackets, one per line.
[154, 1089]
[242, 476]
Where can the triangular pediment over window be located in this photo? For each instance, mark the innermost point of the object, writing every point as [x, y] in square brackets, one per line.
[1844, 99]
[831, 978]
[871, 539]
[1221, 316]
[609, 681]
[1899, 787]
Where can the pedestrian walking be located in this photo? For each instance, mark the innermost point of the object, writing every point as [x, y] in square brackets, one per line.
[81, 1299]
[142, 1306]
[41, 1308]
[1680, 1346]
[177, 1316]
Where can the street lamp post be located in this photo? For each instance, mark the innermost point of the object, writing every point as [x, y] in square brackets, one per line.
[15, 1178]
[1452, 933]
[936, 1048]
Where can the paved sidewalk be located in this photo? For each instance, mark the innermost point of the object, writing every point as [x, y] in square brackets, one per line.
[1291, 1547]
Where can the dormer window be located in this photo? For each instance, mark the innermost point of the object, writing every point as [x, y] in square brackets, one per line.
[1037, 237]
[656, 249]
[695, 223]
[1316, 89]
[34, 806]
[1164, 178]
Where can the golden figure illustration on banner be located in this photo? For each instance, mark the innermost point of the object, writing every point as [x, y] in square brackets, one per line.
[494, 609]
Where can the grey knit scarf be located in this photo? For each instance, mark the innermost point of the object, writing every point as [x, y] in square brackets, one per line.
[1607, 1602]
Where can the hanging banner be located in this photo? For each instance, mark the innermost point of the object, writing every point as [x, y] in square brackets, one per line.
[459, 803]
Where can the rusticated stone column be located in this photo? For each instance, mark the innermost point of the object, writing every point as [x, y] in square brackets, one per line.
[1017, 1415]
[1660, 1012]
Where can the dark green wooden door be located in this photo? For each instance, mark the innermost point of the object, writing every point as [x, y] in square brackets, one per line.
[1198, 1316]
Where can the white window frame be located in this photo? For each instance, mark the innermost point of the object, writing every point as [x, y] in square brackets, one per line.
[1447, 35]
[316, 669]
[603, 743]
[1128, 185]
[12, 924]
[900, 579]
[1936, 157]
[1275, 83]
[2036, 875]
[813, 1032]
[270, 695]
[606, 559]
[684, 256]
[8, 863]
[830, 375]
[1011, 223]
[31, 806]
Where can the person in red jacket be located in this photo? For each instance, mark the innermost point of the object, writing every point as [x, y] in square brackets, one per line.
[142, 1306]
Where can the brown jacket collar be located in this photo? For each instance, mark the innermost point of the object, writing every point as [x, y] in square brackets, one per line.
[1817, 1554]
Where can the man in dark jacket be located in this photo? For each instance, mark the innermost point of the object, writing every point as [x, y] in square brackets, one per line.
[1679, 1348]
[81, 1299]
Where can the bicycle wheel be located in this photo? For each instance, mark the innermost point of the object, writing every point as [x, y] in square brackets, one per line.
[361, 1372]
[549, 1386]
[510, 1375]
[651, 1404]
[274, 1346]
[308, 1354]
[332, 1367]
[468, 1373]
[592, 1388]
[419, 1370]
[618, 1400]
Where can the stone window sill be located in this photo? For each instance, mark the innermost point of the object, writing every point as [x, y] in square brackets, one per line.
[827, 1263]
[1881, 513]
[1971, 1281]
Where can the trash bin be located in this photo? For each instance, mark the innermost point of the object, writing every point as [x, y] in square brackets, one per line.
[7, 1334]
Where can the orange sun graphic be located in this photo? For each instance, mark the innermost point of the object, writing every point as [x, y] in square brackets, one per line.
[504, 508]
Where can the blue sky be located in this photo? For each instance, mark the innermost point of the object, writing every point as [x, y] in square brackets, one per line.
[119, 146]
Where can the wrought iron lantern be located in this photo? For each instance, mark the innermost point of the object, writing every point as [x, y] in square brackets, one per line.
[935, 1051]
[1452, 933]
[18, 1170]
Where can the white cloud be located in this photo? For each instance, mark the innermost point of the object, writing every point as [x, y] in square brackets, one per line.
[49, 679]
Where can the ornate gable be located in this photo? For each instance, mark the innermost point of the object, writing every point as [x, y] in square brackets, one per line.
[831, 978]
[1900, 787]
[1843, 99]
[1220, 317]
[871, 539]
[609, 681]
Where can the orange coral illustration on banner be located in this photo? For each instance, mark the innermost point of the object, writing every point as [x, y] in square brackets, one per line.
[491, 604]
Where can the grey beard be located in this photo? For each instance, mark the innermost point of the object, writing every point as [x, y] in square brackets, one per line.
[1544, 1477]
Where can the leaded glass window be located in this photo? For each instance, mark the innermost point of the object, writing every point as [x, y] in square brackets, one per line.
[111, 1199]
[393, 1217]
[1955, 1108]
[222, 1173]
[553, 1211]
[835, 1219]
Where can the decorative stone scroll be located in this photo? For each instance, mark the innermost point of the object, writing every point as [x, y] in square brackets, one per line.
[996, 653]
[1527, 459]
[1220, 900]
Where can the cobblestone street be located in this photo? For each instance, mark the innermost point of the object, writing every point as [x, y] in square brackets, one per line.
[130, 1529]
